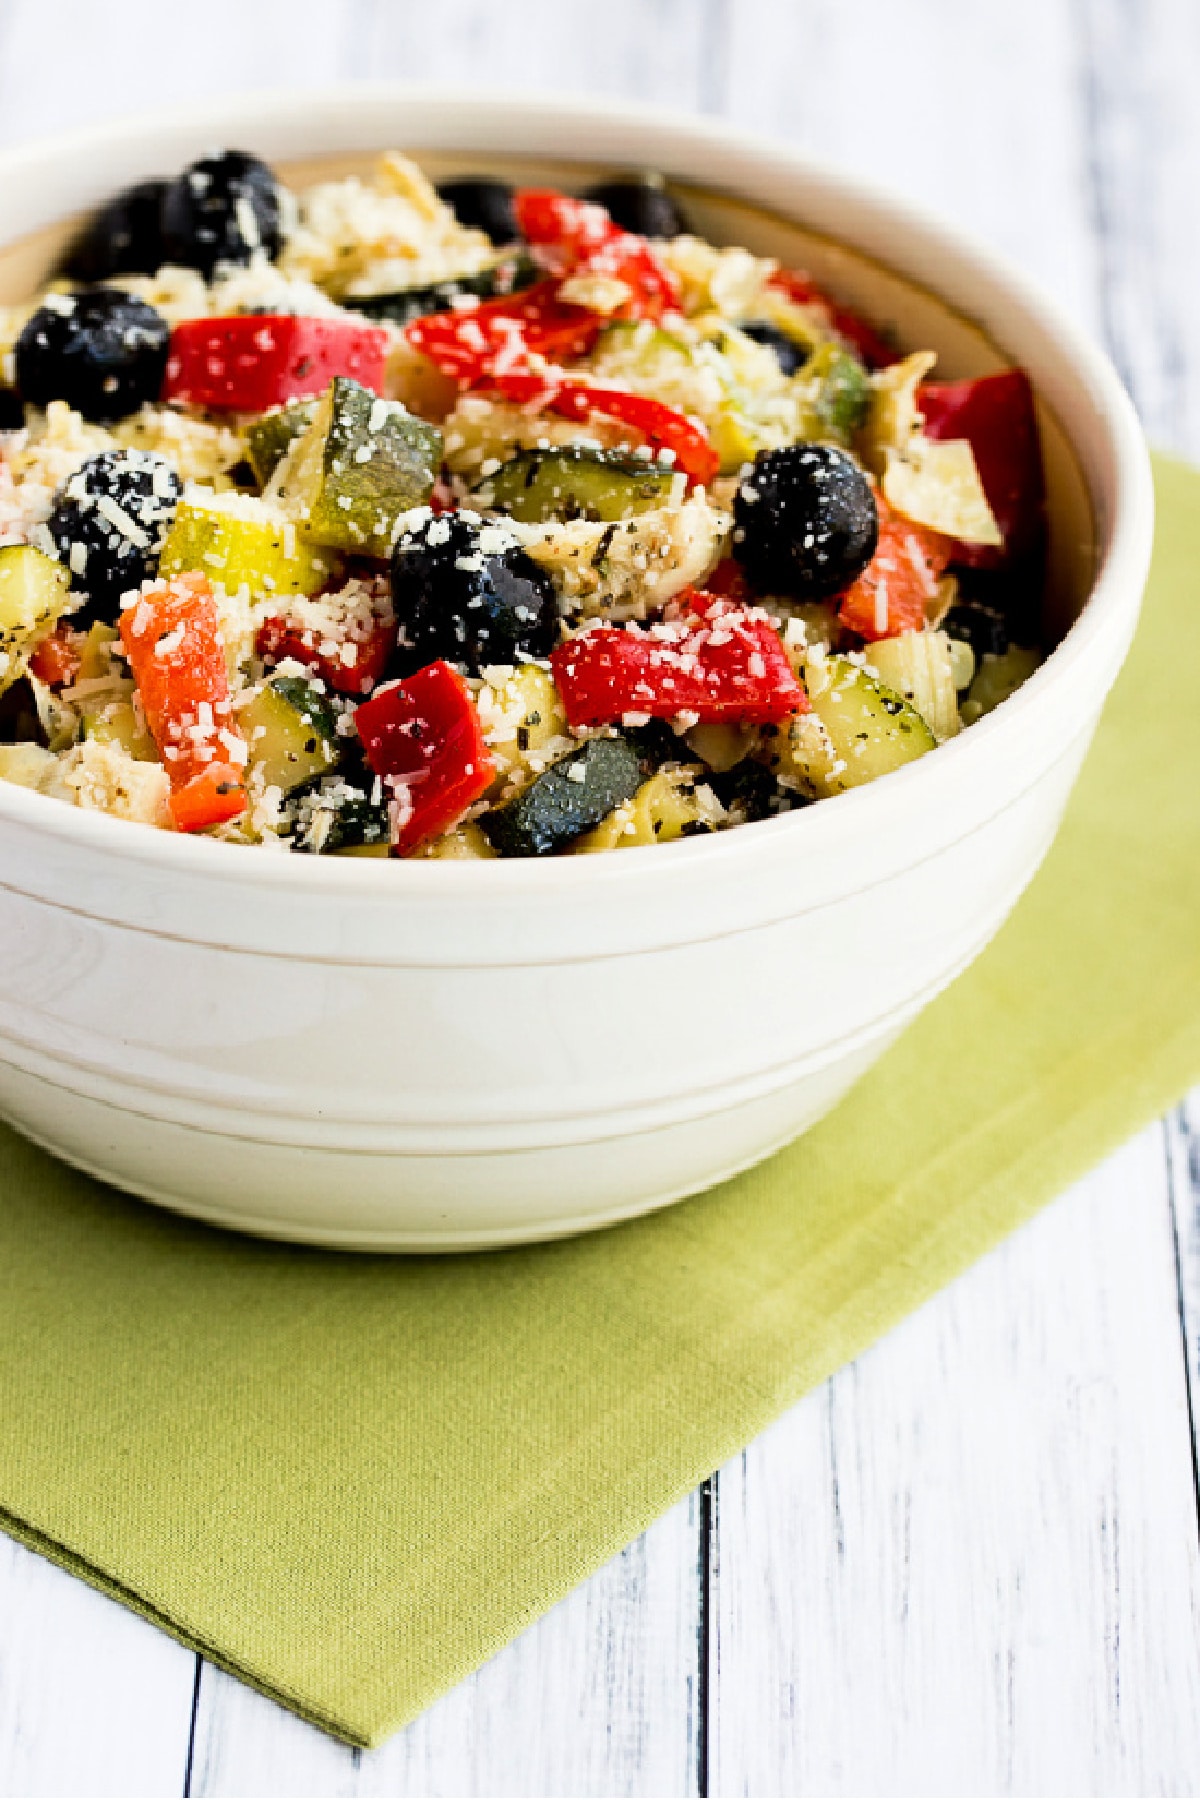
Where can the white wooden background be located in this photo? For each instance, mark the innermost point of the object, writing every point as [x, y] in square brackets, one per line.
[969, 1564]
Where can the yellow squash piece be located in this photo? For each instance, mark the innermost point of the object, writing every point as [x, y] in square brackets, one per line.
[240, 541]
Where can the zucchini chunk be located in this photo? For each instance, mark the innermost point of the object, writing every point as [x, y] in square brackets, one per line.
[361, 463]
[241, 541]
[120, 722]
[402, 305]
[998, 677]
[664, 808]
[272, 435]
[522, 714]
[574, 482]
[466, 843]
[291, 732]
[34, 593]
[334, 824]
[571, 797]
[858, 729]
[841, 393]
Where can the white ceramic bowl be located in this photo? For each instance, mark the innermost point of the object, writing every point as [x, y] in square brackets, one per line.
[446, 1055]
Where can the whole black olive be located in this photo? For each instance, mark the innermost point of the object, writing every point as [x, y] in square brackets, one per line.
[805, 521]
[109, 521]
[640, 203]
[464, 590]
[102, 351]
[788, 353]
[981, 626]
[123, 238]
[223, 209]
[483, 204]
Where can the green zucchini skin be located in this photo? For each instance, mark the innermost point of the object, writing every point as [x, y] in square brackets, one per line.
[843, 392]
[573, 482]
[558, 807]
[272, 435]
[350, 824]
[34, 594]
[360, 463]
[402, 305]
[292, 733]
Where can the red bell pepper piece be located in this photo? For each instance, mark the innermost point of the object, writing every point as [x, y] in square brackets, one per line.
[890, 595]
[731, 666]
[209, 798]
[279, 638]
[172, 637]
[255, 361]
[423, 736]
[800, 288]
[474, 343]
[662, 427]
[579, 237]
[56, 659]
[995, 414]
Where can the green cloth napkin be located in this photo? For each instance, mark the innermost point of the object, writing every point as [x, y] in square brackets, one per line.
[350, 1480]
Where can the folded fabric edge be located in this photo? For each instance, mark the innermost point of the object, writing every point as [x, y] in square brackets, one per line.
[1064, 1156]
[74, 1564]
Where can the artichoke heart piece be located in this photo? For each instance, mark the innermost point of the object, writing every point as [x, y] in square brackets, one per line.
[937, 484]
[34, 592]
[241, 541]
[574, 482]
[361, 463]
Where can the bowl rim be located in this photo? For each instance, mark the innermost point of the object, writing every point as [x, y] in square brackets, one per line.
[1125, 527]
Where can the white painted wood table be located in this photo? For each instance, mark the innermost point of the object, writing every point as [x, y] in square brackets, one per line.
[969, 1564]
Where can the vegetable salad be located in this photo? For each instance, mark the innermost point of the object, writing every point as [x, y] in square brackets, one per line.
[391, 520]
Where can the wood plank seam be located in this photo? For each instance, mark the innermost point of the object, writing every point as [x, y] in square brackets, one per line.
[708, 1516]
[191, 1741]
[1183, 1167]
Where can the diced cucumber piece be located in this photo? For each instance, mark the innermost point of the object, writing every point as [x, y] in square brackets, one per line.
[272, 435]
[34, 592]
[858, 729]
[361, 463]
[574, 482]
[996, 679]
[571, 797]
[918, 666]
[291, 732]
[402, 305]
[241, 541]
